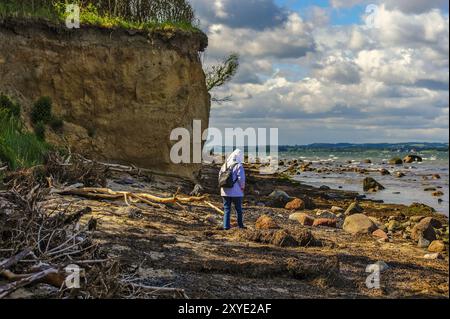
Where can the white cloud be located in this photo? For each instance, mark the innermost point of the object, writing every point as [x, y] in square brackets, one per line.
[318, 82]
[291, 39]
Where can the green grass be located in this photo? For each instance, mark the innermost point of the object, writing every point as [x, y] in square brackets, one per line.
[19, 148]
[90, 16]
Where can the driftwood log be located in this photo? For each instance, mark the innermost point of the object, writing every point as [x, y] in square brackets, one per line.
[51, 276]
[106, 193]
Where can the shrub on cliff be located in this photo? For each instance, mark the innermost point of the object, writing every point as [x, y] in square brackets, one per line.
[42, 111]
[42, 115]
[19, 148]
[7, 104]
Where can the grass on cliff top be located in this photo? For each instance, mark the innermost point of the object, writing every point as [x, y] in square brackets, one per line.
[55, 11]
[18, 147]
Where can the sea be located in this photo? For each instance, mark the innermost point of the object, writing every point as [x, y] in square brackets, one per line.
[406, 190]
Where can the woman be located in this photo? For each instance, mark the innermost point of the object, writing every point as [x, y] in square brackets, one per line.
[235, 194]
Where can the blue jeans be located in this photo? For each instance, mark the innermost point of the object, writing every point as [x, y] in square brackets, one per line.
[237, 201]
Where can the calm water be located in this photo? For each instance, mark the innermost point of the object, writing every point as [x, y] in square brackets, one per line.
[404, 190]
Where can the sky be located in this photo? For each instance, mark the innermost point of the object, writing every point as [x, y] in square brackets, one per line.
[333, 70]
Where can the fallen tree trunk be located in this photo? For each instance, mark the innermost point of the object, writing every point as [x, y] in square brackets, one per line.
[106, 193]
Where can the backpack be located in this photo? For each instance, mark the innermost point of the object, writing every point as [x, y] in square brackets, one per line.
[226, 177]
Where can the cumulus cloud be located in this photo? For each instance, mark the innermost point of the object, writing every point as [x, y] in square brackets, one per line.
[415, 6]
[292, 39]
[320, 82]
[254, 14]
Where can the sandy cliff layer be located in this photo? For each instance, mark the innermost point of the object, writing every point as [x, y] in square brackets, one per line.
[120, 93]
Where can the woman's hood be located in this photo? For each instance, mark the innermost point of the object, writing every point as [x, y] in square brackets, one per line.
[236, 157]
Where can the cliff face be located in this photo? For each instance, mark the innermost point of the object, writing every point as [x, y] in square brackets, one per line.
[120, 93]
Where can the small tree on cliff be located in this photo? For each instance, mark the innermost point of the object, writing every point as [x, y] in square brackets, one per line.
[219, 74]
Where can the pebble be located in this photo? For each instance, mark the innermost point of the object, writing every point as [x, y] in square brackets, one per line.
[380, 234]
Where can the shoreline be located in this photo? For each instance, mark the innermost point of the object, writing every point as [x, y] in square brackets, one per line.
[423, 182]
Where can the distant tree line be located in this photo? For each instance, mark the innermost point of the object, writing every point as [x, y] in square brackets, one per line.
[158, 11]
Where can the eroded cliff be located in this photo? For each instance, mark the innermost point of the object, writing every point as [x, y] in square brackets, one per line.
[120, 93]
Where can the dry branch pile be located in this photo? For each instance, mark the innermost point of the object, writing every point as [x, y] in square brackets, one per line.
[41, 247]
[37, 246]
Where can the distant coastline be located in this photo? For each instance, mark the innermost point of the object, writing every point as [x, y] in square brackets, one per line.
[402, 147]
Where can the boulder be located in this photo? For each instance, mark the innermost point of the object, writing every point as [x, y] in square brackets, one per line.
[302, 218]
[354, 208]
[325, 214]
[435, 223]
[371, 185]
[325, 222]
[436, 176]
[296, 204]
[396, 161]
[359, 224]
[265, 222]
[423, 229]
[412, 158]
[436, 246]
[384, 172]
[278, 199]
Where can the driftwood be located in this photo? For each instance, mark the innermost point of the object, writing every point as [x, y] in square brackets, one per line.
[106, 193]
[214, 207]
[54, 278]
[31, 279]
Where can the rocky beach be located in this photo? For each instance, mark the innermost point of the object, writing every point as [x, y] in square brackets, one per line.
[301, 241]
